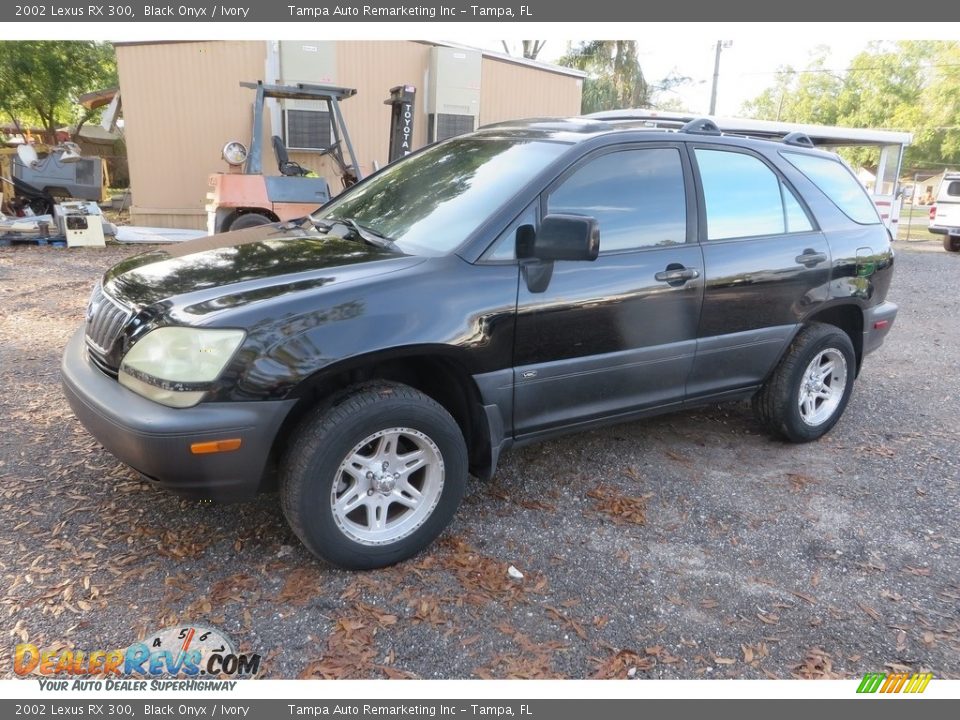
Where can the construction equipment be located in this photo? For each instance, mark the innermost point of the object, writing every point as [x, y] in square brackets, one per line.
[244, 197]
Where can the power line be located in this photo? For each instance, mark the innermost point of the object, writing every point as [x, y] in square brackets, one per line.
[847, 70]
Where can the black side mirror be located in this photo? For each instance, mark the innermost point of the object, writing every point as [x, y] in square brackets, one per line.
[561, 237]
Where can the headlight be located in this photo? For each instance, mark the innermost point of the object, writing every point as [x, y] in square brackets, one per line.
[234, 152]
[174, 365]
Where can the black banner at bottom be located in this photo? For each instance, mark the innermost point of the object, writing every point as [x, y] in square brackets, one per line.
[874, 707]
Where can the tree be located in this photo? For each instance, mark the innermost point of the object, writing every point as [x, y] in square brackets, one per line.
[614, 78]
[808, 95]
[908, 85]
[41, 80]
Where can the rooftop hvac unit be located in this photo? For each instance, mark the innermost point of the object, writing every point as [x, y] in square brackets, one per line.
[453, 94]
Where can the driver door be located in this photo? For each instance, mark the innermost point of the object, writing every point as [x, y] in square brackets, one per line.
[616, 336]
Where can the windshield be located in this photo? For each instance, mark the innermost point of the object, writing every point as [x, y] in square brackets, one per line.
[429, 203]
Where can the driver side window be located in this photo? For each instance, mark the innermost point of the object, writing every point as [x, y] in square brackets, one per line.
[637, 197]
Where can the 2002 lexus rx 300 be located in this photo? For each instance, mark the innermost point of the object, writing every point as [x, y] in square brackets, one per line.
[529, 279]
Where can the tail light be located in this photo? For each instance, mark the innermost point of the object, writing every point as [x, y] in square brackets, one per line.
[933, 213]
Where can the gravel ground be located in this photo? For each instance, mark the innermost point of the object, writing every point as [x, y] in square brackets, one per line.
[685, 546]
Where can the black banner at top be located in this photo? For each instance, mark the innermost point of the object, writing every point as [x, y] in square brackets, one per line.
[431, 11]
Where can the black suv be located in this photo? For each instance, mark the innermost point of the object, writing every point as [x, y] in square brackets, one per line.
[529, 279]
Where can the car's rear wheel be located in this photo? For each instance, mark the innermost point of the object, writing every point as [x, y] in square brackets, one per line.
[810, 388]
[374, 478]
[951, 243]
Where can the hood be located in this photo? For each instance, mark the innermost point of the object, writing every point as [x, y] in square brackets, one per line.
[236, 268]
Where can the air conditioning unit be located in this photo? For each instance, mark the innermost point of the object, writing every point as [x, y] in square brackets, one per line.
[453, 93]
[306, 128]
[306, 123]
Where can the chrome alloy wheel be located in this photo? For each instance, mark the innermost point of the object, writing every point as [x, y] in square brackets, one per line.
[822, 387]
[387, 486]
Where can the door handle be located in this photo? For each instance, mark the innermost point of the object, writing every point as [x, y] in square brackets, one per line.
[810, 258]
[677, 275]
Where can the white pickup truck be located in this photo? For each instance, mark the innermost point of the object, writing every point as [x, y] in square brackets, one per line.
[945, 213]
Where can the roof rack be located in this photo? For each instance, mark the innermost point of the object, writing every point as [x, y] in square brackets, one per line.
[763, 129]
[701, 126]
[799, 139]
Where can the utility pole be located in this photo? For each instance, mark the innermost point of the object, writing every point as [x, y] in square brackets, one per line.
[721, 44]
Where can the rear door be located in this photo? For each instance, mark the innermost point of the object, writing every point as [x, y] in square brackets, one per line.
[766, 267]
[617, 335]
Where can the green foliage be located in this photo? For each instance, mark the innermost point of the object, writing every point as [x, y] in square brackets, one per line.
[909, 85]
[40, 80]
[614, 78]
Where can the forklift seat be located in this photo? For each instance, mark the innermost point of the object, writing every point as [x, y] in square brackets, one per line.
[284, 164]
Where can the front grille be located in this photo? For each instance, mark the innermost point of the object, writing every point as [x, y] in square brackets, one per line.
[105, 319]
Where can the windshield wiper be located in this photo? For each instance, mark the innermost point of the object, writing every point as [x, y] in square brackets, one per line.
[371, 237]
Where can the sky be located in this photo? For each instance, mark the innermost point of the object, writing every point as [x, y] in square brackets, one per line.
[747, 67]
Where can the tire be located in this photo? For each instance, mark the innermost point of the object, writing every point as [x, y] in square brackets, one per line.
[333, 478]
[795, 403]
[951, 244]
[248, 220]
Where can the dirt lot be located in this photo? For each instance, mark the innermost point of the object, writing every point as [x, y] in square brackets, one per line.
[685, 546]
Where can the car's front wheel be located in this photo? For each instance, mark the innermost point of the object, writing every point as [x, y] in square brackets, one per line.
[374, 478]
[809, 390]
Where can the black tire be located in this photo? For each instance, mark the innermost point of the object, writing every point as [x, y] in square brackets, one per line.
[328, 438]
[248, 220]
[777, 404]
[951, 243]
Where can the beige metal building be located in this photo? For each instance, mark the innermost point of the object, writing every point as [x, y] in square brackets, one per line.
[182, 101]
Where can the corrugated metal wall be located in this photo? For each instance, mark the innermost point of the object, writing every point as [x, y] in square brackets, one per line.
[373, 67]
[182, 102]
[509, 91]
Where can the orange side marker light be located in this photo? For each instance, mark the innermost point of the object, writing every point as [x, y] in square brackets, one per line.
[215, 446]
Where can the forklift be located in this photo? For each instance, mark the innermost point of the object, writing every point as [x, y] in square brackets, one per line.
[244, 197]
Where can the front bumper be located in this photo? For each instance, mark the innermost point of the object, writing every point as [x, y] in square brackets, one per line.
[877, 322]
[155, 440]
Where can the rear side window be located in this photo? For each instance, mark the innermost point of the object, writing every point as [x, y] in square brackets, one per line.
[838, 184]
[745, 198]
[953, 188]
[636, 196]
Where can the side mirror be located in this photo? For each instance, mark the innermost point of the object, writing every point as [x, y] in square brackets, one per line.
[561, 237]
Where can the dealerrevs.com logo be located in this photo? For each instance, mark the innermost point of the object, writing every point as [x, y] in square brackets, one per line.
[184, 657]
